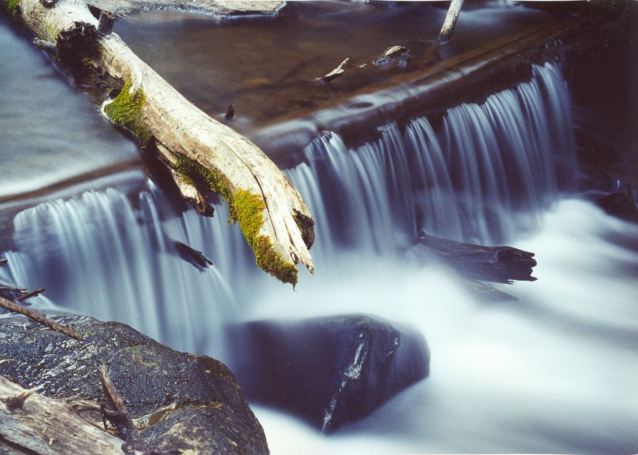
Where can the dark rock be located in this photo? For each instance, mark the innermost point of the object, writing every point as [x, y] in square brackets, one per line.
[395, 55]
[620, 206]
[329, 370]
[172, 387]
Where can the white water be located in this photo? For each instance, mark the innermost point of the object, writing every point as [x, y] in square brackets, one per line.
[554, 372]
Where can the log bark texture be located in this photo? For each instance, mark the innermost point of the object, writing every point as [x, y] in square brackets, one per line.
[500, 264]
[48, 427]
[270, 211]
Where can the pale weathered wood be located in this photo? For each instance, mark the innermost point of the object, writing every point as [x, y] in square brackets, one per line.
[335, 73]
[181, 129]
[450, 20]
[49, 427]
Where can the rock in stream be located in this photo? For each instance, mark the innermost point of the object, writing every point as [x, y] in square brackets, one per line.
[188, 403]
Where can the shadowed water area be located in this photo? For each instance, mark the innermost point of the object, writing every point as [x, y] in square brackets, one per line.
[553, 372]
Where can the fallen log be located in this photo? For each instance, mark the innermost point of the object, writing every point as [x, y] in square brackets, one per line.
[47, 426]
[205, 153]
[500, 264]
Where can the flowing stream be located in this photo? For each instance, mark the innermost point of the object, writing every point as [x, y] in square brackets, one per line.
[42, 147]
[554, 372]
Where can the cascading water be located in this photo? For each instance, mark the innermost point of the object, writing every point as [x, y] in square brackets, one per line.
[492, 170]
[532, 376]
[104, 255]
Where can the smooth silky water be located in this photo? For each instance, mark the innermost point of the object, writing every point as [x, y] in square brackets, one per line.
[49, 132]
[554, 372]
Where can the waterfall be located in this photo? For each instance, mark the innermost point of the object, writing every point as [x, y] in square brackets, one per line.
[114, 258]
[488, 172]
[527, 377]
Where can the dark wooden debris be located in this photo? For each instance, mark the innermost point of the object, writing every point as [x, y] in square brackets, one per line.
[106, 22]
[115, 412]
[39, 318]
[230, 113]
[500, 264]
[30, 294]
[193, 256]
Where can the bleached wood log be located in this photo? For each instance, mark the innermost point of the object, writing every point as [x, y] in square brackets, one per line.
[49, 427]
[270, 211]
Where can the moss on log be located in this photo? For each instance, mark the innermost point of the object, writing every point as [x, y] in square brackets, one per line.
[191, 143]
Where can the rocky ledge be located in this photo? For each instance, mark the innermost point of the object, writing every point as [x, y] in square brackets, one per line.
[181, 403]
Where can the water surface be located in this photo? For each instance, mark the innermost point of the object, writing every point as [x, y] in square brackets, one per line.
[49, 132]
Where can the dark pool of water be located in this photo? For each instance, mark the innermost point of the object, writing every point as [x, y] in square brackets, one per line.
[268, 67]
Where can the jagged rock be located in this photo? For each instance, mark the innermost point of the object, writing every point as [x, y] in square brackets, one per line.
[195, 400]
[395, 55]
[620, 206]
[329, 370]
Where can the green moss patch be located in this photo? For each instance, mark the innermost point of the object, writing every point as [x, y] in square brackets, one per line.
[12, 7]
[126, 110]
[247, 209]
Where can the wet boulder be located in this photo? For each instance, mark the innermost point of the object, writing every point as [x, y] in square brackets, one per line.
[329, 370]
[182, 402]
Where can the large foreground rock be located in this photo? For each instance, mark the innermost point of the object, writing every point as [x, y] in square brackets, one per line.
[194, 401]
[329, 370]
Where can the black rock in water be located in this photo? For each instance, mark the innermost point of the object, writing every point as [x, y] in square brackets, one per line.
[329, 370]
[190, 402]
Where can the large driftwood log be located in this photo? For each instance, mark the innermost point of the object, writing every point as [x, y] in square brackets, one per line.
[48, 427]
[500, 264]
[271, 213]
